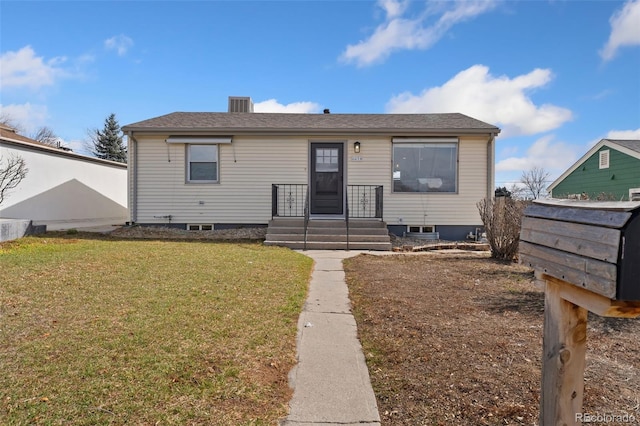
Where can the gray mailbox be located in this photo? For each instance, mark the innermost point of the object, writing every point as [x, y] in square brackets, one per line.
[594, 245]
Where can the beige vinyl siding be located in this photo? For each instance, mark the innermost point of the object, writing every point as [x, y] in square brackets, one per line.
[423, 208]
[247, 168]
[131, 153]
[250, 164]
[373, 166]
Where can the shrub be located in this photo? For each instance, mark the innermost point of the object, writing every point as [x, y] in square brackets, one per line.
[502, 218]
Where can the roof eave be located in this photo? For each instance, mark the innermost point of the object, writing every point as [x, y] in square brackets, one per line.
[61, 153]
[307, 131]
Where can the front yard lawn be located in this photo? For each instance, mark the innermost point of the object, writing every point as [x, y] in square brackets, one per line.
[457, 340]
[105, 331]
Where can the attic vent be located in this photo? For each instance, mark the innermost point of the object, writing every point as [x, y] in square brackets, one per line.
[240, 104]
[604, 159]
[634, 194]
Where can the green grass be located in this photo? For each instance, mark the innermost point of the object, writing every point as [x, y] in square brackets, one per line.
[99, 331]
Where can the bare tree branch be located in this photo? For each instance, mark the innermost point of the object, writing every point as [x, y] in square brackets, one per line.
[46, 136]
[535, 182]
[7, 121]
[11, 174]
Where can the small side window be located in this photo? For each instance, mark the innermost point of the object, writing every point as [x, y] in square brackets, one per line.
[202, 163]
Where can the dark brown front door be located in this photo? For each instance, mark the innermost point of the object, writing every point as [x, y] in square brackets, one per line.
[327, 178]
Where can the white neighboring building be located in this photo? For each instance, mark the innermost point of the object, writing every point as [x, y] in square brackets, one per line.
[63, 190]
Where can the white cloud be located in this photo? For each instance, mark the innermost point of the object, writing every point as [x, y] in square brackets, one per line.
[272, 105]
[501, 101]
[27, 116]
[24, 69]
[616, 134]
[120, 43]
[393, 8]
[624, 134]
[77, 145]
[546, 153]
[398, 32]
[625, 24]
[601, 95]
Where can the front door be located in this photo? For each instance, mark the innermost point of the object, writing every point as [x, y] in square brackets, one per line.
[327, 178]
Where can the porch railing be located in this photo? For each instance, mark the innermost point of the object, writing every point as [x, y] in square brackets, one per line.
[291, 200]
[365, 201]
[346, 215]
[288, 199]
[306, 217]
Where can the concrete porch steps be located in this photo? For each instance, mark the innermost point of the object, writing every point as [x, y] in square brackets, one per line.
[322, 234]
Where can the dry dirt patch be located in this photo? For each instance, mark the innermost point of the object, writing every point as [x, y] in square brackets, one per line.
[457, 339]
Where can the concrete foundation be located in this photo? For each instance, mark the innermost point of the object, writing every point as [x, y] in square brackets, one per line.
[12, 229]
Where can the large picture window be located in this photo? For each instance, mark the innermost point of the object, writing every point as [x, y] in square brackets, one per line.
[202, 163]
[425, 165]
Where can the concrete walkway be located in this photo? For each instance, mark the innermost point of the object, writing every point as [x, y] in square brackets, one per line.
[331, 381]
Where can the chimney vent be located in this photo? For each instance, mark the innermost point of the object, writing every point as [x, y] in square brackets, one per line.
[327, 111]
[240, 104]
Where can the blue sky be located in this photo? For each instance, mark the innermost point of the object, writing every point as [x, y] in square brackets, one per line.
[556, 76]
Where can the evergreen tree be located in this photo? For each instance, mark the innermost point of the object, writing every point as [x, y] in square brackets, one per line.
[107, 143]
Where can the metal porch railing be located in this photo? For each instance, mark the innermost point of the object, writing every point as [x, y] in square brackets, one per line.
[293, 200]
[288, 199]
[365, 201]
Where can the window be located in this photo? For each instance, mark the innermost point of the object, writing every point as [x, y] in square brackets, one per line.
[425, 165]
[198, 227]
[202, 163]
[604, 159]
[327, 160]
[420, 229]
[634, 194]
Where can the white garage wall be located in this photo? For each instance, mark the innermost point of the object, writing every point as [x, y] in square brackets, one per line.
[65, 190]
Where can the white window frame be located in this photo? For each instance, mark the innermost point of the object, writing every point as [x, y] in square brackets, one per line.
[604, 159]
[421, 229]
[200, 227]
[188, 164]
[634, 192]
[427, 181]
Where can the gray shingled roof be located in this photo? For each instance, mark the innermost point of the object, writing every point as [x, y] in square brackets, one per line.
[633, 145]
[221, 122]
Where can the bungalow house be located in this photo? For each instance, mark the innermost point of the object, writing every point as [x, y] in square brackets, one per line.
[420, 173]
[62, 189]
[610, 170]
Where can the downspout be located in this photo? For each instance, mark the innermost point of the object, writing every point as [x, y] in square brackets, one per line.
[490, 165]
[134, 180]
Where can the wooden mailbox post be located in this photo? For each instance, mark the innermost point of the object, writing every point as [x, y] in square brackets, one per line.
[587, 254]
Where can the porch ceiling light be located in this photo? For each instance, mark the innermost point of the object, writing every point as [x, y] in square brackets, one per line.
[356, 147]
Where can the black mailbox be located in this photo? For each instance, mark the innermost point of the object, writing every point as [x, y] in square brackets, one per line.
[593, 245]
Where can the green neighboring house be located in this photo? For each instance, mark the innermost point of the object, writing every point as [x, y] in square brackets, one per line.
[610, 171]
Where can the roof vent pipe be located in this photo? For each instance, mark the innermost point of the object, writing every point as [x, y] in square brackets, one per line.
[326, 111]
